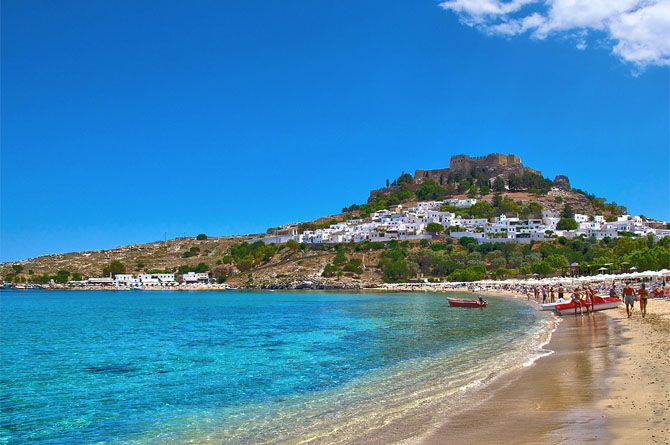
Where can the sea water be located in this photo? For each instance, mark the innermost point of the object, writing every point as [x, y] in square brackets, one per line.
[246, 366]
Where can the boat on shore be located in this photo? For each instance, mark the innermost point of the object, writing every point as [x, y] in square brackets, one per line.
[552, 306]
[599, 304]
[460, 302]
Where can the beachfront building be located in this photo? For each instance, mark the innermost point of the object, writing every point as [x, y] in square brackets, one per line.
[101, 281]
[195, 277]
[125, 280]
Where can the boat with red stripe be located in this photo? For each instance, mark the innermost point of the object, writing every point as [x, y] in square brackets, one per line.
[599, 304]
[460, 302]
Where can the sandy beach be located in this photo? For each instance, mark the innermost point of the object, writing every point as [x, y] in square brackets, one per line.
[606, 382]
[638, 400]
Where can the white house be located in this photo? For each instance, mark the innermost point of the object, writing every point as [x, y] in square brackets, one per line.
[125, 280]
[599, 233]
[581, 218]
[193, 277]
[102, 281]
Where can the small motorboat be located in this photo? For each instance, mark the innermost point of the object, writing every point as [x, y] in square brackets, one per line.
[552, 306]
[466, 303]
[599, 304]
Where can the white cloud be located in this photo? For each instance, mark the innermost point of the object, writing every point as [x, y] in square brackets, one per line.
[637, 31]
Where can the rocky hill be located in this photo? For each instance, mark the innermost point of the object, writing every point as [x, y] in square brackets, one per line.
[465, 177]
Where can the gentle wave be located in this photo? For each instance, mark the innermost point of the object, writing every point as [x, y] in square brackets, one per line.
[138, 367]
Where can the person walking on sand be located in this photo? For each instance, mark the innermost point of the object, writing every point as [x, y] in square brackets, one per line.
[577, 299]
[644, 294]
[629, 298]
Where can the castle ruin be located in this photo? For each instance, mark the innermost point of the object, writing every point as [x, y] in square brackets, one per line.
[494, 164]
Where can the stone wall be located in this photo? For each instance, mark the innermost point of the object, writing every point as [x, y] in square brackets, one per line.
[494, 164]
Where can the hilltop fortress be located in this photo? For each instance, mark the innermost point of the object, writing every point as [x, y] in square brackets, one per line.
[494, 164]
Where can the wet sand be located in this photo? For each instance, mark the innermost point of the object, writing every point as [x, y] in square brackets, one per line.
[606, 382]
[638, 402]
[552, 401]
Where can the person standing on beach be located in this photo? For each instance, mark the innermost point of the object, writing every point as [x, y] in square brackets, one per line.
[577, 299]
[644, 294]
[551, 294]
[629, 298]
[613, 291]
[590, 298]
[560, 291]
[544, 294]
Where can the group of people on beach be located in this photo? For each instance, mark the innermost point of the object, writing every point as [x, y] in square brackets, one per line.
[584, 296]
[630, 295]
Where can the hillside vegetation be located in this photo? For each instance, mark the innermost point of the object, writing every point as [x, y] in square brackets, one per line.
[235, 261]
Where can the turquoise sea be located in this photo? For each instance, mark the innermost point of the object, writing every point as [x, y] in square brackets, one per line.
[240, 367]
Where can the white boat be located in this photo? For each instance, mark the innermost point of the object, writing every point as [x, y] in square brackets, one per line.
[552, 306]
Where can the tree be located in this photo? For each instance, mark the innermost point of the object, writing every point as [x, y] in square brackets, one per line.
[354, 265]
[292, 245]
[567, 212]
[405, 178]
[339, 259]
[499, 184]
[245, 264]
[114, 268]
[201, 267]
[469, 242]
[201, 237]
[17, 268]
[481, 209]
[76, 276]
[330, 271]
[62, 276]
[431, 191]
[387, 183]
[567, 224]
[434, 228]
[515, 259]
[541, 268]
[556, 261]
[514, 182]
[472, 191]
[508, 206]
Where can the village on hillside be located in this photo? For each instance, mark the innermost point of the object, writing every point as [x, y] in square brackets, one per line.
[415, 223]
[478, 200]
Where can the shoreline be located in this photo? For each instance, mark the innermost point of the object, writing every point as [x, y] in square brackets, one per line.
[604, 382]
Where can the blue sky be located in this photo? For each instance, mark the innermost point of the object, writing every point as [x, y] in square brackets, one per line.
[125, 120]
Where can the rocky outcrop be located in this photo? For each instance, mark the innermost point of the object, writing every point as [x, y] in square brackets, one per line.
[562, 182]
